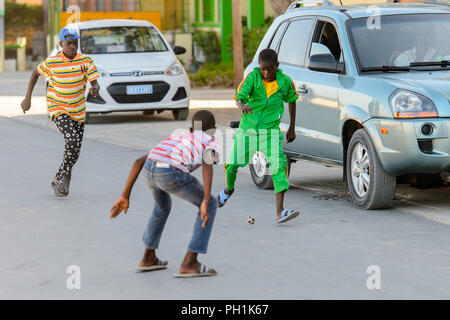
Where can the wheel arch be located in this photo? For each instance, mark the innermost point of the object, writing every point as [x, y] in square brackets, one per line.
[349, 127]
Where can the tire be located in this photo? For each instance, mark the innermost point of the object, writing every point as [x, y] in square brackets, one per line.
[289, 165]
[87, 118]
[258, 170]
[148, 112]
[376, 190]
[180, 114]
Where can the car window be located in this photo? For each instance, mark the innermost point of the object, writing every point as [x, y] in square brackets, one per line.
[401, 40]
[295, 41]
[121, 40]
[276, 38]
[327, 36]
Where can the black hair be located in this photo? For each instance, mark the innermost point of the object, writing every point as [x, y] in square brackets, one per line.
[269, 56]
[206, 118]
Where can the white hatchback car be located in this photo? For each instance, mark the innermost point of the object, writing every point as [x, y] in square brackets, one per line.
[139, 70]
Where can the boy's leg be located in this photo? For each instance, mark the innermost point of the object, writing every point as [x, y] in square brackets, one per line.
[155, 226]
[73, 136]
[244, 146]
[158, 219]
[191, 190]
[271, 143]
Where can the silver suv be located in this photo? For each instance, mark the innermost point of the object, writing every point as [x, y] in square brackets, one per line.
[375, 92]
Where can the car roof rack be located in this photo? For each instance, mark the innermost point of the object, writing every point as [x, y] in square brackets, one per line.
[437, 2]
[310, 3]
[315, 4]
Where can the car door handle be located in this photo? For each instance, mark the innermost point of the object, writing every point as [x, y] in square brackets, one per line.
[302, 90]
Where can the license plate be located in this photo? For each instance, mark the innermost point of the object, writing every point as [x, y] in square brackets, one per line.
[143, 89]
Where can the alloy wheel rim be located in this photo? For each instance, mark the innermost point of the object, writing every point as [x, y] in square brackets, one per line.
[360, 166]
[259, 164]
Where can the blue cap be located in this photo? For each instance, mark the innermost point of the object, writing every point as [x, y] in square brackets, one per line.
[68, 33]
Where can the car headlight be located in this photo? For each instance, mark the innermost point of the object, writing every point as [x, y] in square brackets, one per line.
[408, 104]
[102, 72]
[174, 70]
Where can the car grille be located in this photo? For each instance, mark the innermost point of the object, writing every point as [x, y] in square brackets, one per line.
[135, 73]
[118, 92]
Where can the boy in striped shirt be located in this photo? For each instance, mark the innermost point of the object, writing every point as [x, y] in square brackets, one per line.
[167, 171]
[67, 73]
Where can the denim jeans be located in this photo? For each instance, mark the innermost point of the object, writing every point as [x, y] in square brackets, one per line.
[166, 181]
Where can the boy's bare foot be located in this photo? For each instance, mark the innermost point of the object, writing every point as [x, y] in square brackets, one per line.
[151, 260]
[190, 267]
[228, 192]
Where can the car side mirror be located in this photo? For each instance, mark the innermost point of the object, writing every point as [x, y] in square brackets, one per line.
[179, 50]
[325, 63]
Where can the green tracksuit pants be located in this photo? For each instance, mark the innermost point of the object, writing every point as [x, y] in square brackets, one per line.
[268, 141]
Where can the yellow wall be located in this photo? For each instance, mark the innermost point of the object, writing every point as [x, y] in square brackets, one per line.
[170, 11]
[151, 16]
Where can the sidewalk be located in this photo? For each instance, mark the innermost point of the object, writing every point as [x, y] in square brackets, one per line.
[200, 99]
[13, 87]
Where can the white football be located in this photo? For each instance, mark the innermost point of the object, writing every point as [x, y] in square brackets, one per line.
[251, 220]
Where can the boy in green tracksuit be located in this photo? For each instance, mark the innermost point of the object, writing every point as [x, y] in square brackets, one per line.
[260, 96]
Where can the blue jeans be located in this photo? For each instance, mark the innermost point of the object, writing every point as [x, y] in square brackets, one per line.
[163, 182]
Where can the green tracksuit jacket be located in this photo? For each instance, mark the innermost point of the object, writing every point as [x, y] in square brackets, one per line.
[260, 130]
[267, 112]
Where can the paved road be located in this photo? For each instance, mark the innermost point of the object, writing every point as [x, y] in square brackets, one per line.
[133, 130]
[324, 254]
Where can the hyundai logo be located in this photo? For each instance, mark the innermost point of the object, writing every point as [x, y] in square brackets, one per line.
[137, 73]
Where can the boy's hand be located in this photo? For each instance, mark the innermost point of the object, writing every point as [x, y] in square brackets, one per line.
[244, 108]
[94, 88]
[290, 135]
[94, 91]
[26, 104]
[121, 205]
[204, 212]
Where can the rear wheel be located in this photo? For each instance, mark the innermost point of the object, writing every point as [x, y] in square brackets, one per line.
[259, 170]
[371, 187]
[180, 114]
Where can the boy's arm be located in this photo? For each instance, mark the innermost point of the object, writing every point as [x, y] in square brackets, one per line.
[26, 103]
[291, 97]
[207, 171]
[243, 93]
[93, 75]
[94, 88]
[123, 202]
[290, 135]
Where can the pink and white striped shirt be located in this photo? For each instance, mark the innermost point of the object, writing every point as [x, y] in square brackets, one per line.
[187, 151]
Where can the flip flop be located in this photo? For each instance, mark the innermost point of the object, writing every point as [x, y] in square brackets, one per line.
[158, 266]
[287, 215]
[222, 198]
[202, 271]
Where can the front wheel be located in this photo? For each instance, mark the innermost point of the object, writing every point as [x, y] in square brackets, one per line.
[87, 118]
[180, 114]
[371, 187]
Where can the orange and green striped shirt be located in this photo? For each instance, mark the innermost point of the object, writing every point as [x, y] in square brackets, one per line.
[67, 84]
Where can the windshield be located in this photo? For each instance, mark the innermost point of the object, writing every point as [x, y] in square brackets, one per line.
[399, 40]
[121, 40]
